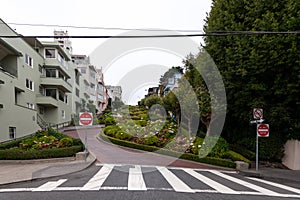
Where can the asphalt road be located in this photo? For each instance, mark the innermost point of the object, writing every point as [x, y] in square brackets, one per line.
[148, 182]
[113, 154]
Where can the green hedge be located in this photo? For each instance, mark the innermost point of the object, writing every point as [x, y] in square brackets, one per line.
[236, 156]
[18, 154]
[243, 151]
[10, 144]
[187, 156]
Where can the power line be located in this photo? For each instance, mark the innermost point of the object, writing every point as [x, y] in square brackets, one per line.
[100, 28]
[232, 33]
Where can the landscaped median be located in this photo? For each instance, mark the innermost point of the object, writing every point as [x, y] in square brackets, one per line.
[187, 156]
[42, 145]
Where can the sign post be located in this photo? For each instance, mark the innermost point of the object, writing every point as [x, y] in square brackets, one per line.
[262, 130]
[85, 119]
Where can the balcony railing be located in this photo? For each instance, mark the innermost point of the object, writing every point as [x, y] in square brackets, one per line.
[58, 82]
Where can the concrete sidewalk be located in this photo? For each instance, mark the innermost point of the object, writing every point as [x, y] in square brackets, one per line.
[12, 171]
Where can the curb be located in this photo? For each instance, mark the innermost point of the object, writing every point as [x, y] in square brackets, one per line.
[35, 174]
[72, 128]
[48, 160]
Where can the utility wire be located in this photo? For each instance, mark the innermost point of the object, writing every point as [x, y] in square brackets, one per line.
[100, 28]
[213, 33]
[234, 33]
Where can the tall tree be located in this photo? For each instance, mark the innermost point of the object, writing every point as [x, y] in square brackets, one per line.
[258, 70]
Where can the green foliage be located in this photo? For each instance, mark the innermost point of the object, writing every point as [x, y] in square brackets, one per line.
[65, 142]
[152, 141]
[141, 122]
[58, 135]
[243, 151]
[18, 154]
[122, 135]
[109, 121]
[236, 156]
[152, 100]
[111, 130]
[218, 149]
[258, 70]
[187, 156]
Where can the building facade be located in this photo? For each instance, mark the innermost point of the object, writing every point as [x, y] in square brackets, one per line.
[114, 92]
[40, 85]
[95, 89]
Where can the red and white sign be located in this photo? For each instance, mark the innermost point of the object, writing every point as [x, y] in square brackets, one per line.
[263, 130]
[257, 113]
[85, 119]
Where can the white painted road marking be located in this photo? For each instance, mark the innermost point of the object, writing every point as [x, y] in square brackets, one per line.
[136, 182]
[49, 186]
[97, 181]
[246, 184]
[215, 185]
[177, 184]
[135, 179]
[277, 185]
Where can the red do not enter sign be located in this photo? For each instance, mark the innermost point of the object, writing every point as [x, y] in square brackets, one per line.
[263, 130]
[85, 119]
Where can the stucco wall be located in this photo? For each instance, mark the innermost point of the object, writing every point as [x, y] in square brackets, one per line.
[292, 154]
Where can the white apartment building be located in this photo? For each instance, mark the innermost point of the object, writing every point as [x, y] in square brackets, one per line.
[94, 81]
[114, 92]
[39, 85]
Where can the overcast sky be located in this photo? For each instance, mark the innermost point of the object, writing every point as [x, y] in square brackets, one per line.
[162, 14]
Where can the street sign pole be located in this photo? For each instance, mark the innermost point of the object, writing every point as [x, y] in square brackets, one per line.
[85, 145]
[256, 164]
[85, 119]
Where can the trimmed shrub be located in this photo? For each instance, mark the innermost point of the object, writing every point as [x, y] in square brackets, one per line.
[18, 154]
[123, 135]
[65, 142]
[236, 157]
[152, 141]
[243, 151]
[219, 149]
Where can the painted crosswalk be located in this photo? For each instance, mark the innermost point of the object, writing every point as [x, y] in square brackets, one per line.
[158, 178]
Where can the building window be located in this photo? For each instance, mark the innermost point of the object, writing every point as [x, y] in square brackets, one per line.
[51, 73]
[42, 110]
[30, 106]
[92, 97]
[40, 68]
[83, 70]
[92, 86]
[100, 96]
[93, 74]
[100, 87]
[28, 60]
[51, 93]
[63, 114]
[29, 84]
[62, 61]
[50, 53]
[77, 92]
[61, 96]
[42, 90]
[12, 132]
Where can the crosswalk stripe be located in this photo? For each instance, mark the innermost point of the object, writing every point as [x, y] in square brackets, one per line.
[215, 185]
[49, 186]
[246, 184]
[177, 184]
[97, 181]
[277, 185]
[135, 179]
